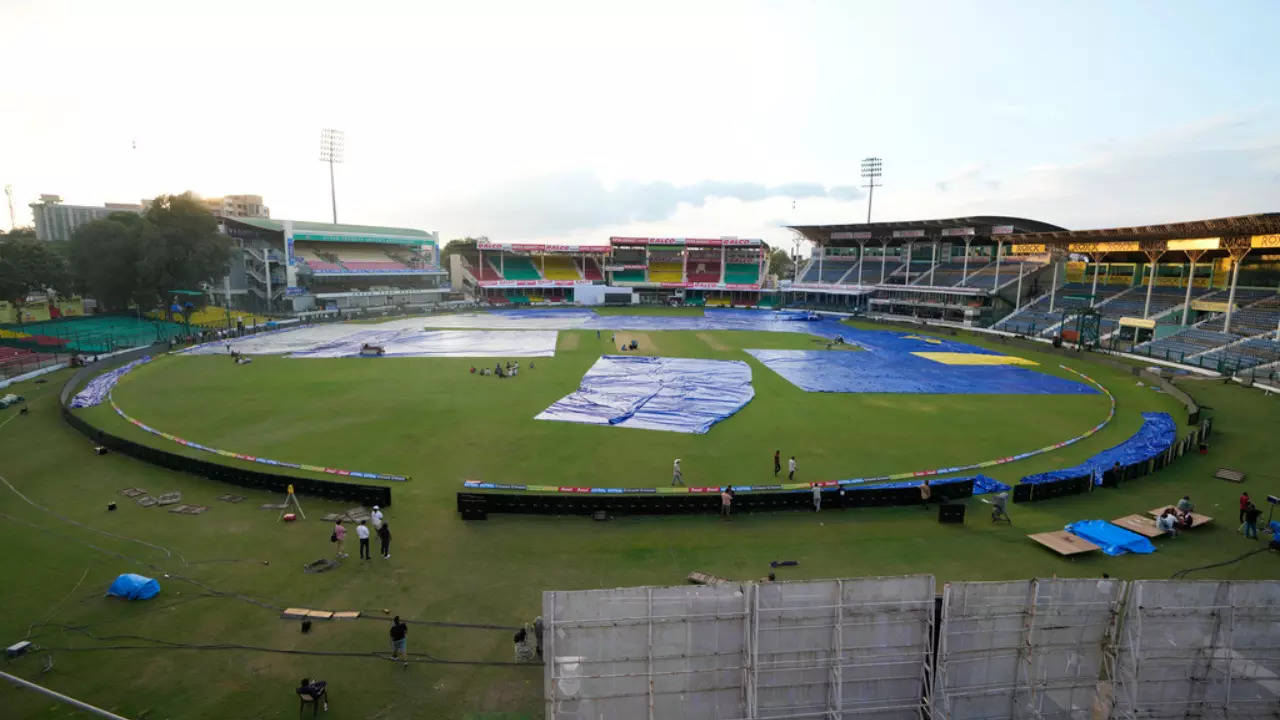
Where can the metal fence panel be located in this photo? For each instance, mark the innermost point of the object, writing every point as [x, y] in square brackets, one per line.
[1204, 649]
[822, 649]
[1022, 649]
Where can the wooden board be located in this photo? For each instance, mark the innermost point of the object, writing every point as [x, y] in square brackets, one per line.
[1063, 542]
[320, 614]
[1230, 475]
[294, 613]
[1144, 526]
[346, 615]
[701, 578]
[1196, 518]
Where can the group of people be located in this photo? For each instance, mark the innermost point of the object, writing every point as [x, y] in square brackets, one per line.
[380, 526]
[511, 369]
[317, 691]
[1249, 514]
[1176, 517]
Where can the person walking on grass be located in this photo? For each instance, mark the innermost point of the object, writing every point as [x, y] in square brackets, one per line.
[398, 643]
[791, 469]
[677, 477]
[384, 539]
[1244, 505]
[925, 493]
[1251, 515]
[339, 537]
[817, 497]
[726, 502]
[362, 532]
[376, 517]
[777, 462]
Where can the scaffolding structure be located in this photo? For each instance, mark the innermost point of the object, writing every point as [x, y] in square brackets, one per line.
[1047, 649]
[741, 651]
[1203, 649]
[1025, 648]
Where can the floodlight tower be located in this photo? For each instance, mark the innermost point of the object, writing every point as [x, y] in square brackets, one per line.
[331, 152]
[871, 172]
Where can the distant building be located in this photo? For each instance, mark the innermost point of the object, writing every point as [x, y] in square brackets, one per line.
[56, 221]
[237, 206]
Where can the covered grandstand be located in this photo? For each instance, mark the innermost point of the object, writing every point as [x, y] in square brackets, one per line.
[295, 266]
[1202, 293]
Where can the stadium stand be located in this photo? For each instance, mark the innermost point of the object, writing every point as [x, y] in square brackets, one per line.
[628, 276]
[518, 267]
[703, 266]
[665, 267]
[984, 277]
[559, 267]
[948, 274]
[741, 273]
[831, 271]
[1257, 317]
[483, 271]
[314, 260]
[366, 259]
[591, 270]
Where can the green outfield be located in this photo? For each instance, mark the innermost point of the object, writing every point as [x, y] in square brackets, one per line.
[212, 644]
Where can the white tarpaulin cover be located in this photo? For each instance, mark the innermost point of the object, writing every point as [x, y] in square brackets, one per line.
[336, 341]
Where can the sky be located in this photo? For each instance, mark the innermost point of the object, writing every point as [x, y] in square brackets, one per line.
[574, 121]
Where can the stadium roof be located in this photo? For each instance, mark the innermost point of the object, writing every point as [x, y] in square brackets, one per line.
[982, 225]
[307, 226]
[1258, 224]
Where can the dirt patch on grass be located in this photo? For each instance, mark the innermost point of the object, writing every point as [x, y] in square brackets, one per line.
[712, 342]
[568, 341]
[646, 344]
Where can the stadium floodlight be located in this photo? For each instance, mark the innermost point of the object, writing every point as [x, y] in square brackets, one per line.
[871, 168]
[331, 152]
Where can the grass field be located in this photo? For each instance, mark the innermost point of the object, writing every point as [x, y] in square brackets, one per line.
[433, 420]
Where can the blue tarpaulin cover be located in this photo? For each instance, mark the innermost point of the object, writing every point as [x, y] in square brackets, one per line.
[1113, 539]
[981, 484]
[656, 393]
[1157, 433]
[134, 587]
[888, 369]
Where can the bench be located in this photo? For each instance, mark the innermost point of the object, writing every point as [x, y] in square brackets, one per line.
[1063, 542]
[1197, 519]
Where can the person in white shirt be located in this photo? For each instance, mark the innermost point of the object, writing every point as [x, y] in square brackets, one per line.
[817, 498]
[677, 477]
[791, 468]
[376, 516]
[362, 532]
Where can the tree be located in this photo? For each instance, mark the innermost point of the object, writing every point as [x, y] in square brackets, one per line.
[129, 258]
[459, 245]
[181, 248]
[105, 255]
[779, 264]
[30, 266]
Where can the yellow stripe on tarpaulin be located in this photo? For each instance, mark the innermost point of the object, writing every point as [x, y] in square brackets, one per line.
[934, 341]
[954, 358]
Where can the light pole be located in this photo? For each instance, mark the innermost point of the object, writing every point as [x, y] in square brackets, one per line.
[871, 172]
[331, 152]
[8, 192]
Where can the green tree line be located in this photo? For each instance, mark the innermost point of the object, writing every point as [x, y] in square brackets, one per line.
[123, 260]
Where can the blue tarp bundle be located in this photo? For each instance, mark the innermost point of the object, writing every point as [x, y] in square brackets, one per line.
[1113, 539]
[656, 393]
[981, 484]
[1157, 433]
[99, 387]
[134, 587]
[883, 370]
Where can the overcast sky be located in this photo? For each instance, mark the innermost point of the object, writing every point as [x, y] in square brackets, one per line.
[579, 120]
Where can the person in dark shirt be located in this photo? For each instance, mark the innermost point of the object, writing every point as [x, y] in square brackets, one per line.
[777, 462]
[317, 691]
[398, 632]
[1251, 515]
[384, 537]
